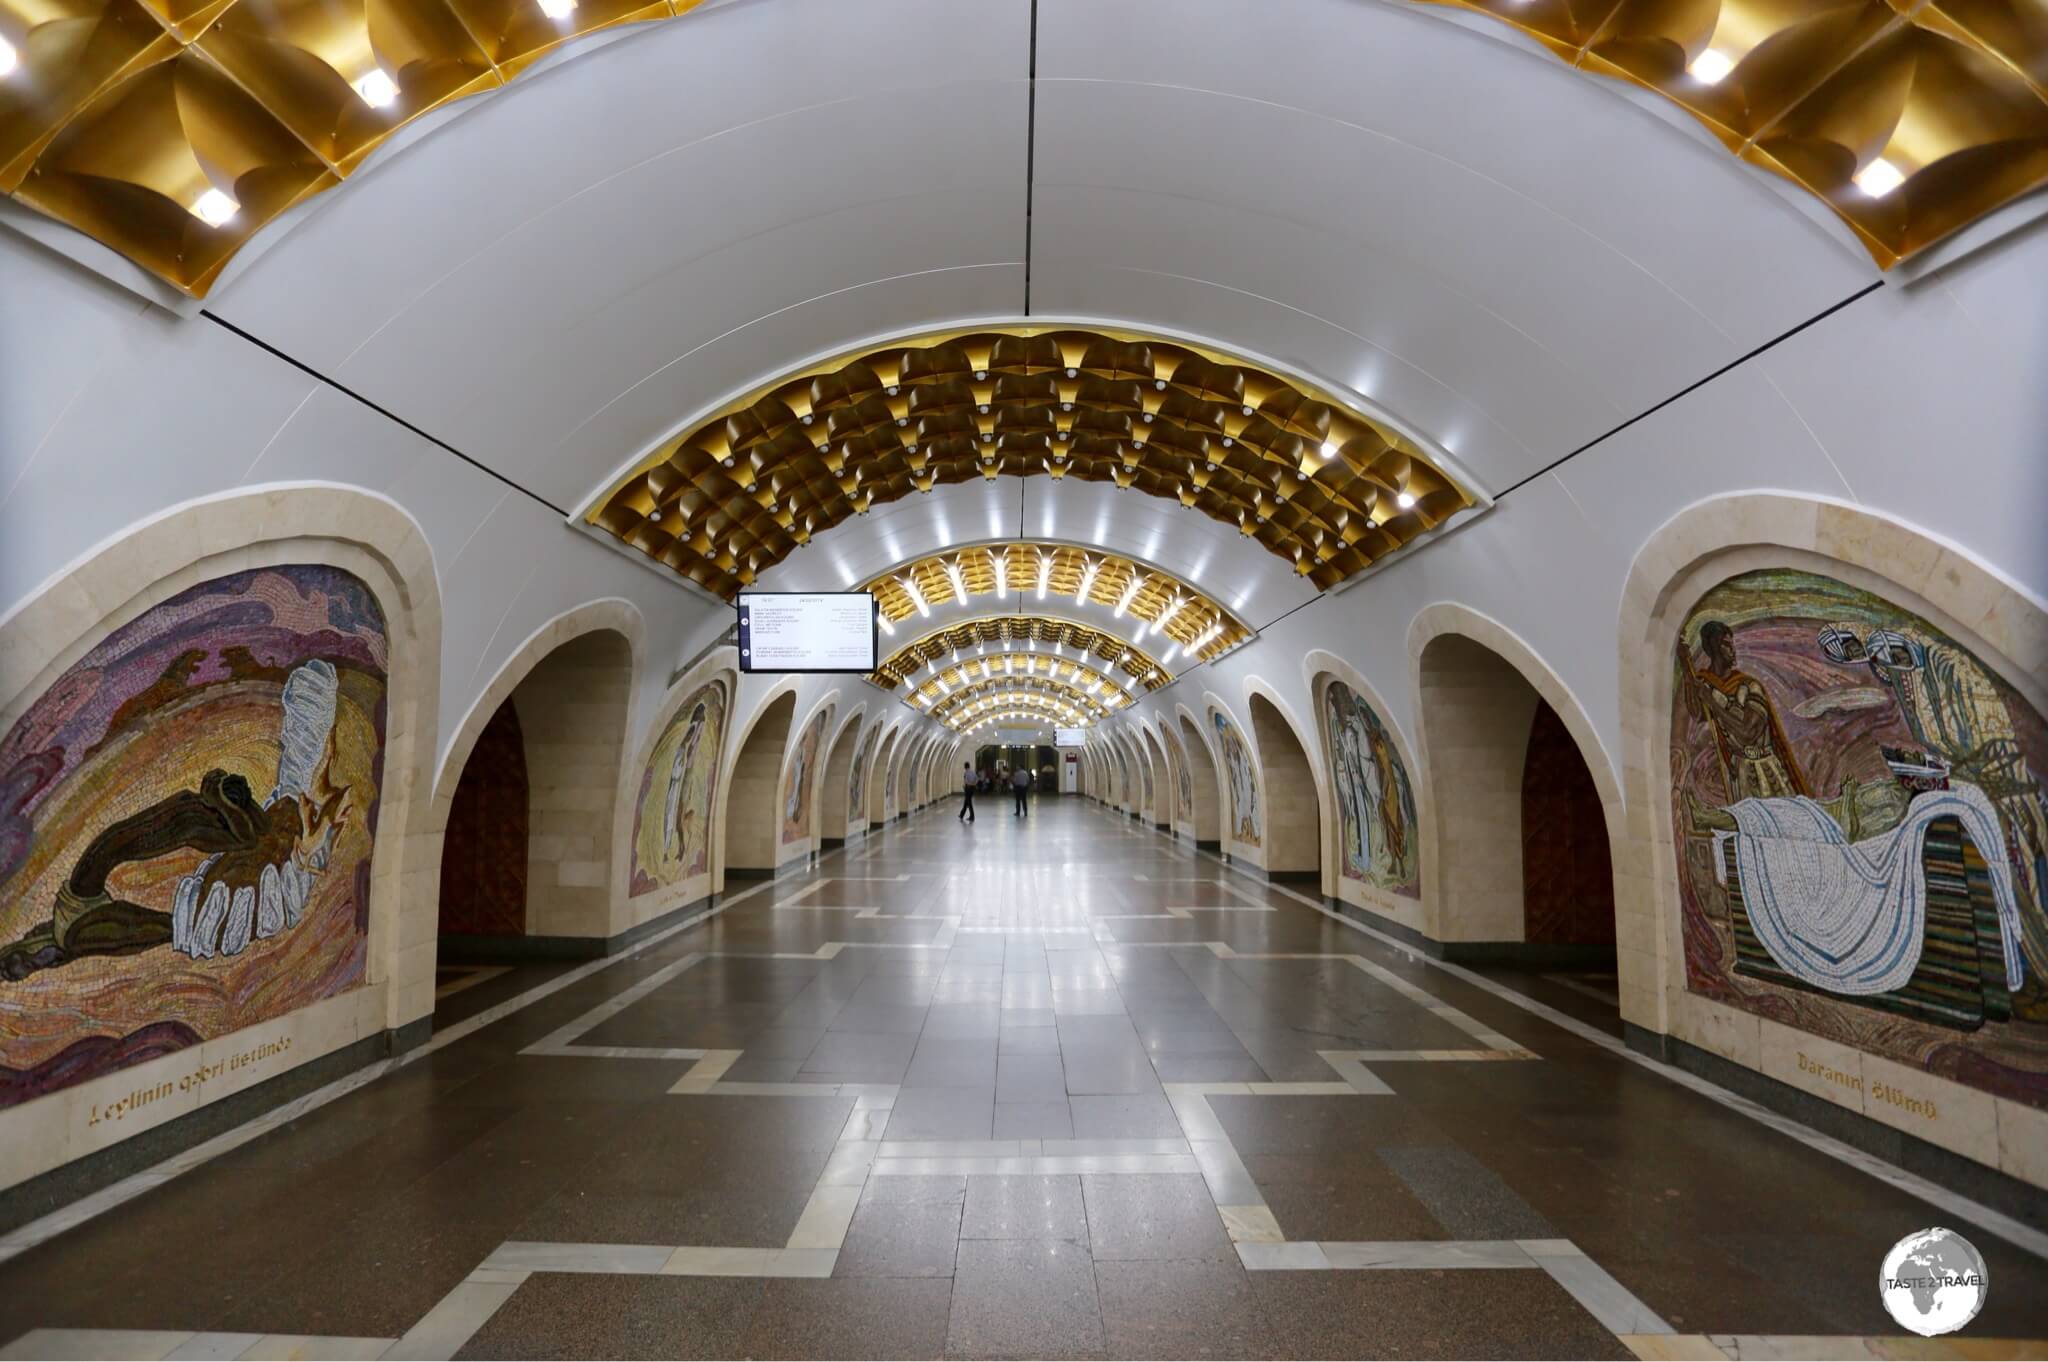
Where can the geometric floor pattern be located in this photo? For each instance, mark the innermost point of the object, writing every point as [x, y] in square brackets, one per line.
[1052, 1087]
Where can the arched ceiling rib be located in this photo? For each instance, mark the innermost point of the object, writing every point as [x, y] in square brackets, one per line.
[1320, 484]
[1030, 574]
[174, 130]
[1052, 698]
[1041, 636]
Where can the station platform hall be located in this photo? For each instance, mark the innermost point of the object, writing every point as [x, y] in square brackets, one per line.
[1023, 679]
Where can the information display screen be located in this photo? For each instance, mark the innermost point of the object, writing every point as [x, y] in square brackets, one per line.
[1070, 737]
[795, 631]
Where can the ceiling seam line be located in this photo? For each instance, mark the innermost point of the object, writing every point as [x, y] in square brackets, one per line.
[1694, 386]
[381, 410]
[1030, 149]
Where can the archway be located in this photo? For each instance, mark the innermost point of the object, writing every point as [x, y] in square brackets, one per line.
[1567, 871]
[484, 851]
[836, 797]
[1161, 812]
[1293, 815]
[1182, 780]
[567, 714]
[878, 780]
[753, 807]
[1208, 822]
[1480, 691]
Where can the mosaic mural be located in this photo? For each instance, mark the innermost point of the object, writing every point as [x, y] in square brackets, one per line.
[186, 821]
[1861, 836]
[1145, 776]
[1378, 835]
[672, 815]
[1244, 823]
[1185, 795]
[857, 781]
[889, 781]
[801, 779]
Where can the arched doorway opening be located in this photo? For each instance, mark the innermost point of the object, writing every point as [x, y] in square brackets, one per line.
[1294, 814]
[483, 855]
[562, 731]
[1161, 811]
[753, 809]
[836, 798]
[1512, 791]
[1567, 870]
[1208, 823]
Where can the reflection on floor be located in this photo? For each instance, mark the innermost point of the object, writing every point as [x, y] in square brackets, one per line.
[1054, 1088]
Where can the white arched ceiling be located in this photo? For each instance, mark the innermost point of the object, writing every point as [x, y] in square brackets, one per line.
[1238, 573]
[1509, 257]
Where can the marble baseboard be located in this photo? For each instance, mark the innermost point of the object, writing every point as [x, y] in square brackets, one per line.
[1515, 954]
[497, 950]
[80, 1178]
[1965, 1176]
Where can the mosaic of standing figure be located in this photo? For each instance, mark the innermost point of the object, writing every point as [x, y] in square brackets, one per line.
[857, 782]
[1377, 840]
[801, 779]
[1185, 794]
[1244, 786]
[1861, 833]
[186, 822]
[672, 816]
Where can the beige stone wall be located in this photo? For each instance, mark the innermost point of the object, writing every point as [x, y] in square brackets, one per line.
[572, 712]
[878, 779]
[752, 805]
[1692, 552]
[1202, 768]
[1293, 804]
[837, 789]
[364, 535]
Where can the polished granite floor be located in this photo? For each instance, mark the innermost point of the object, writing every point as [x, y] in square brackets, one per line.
[1047, 1088]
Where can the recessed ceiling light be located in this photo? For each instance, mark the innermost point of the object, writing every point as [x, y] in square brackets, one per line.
[215, 209]
[9, 58]
[1710, 67]
[1405, 501]
[1329, 449]
[558, 9]
[1879, 178]
[376, 88]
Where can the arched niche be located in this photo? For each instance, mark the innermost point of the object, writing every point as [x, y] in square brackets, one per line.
[1241, 802]
[1293, 795]
[667, 852]
[1160, 810]
[751, 817]
[1205, 780]
[1372, 831]
[343, 573]
[570, 686]
[878, 791]
[838, 802]
[798, 803]
[1479, 691]
[1180, 777]
[1802, 587]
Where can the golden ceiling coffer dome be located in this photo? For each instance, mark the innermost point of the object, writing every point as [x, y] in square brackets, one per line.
[174, 130]
[1313, 480]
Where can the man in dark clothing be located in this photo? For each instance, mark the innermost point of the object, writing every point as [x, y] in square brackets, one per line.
[1021, 784]
[967, 784]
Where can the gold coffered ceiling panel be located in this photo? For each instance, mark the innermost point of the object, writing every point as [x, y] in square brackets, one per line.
[1314, 481]
[1051, 700]
[1909, 118]
[174, 130]
[1189, 620]
[1018, 635]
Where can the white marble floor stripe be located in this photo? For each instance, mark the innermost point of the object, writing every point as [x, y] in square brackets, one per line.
[25, 1237]
[1991, 1221]
[155, 1344]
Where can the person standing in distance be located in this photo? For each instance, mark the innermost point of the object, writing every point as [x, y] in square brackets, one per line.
[967, 783]
[1021, 784]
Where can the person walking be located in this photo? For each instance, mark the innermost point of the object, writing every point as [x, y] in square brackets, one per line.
[1021, 784]
[967, 784]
